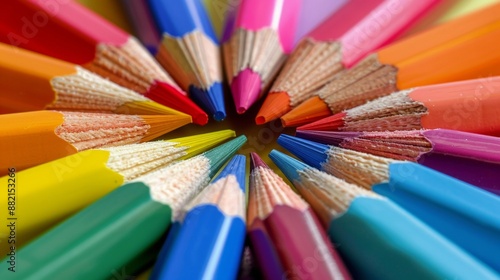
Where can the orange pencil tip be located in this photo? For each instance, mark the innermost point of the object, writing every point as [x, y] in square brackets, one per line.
[276, 105]
[309, 111]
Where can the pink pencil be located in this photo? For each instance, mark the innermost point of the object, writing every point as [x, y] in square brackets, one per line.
[357, 29]
[263, 36]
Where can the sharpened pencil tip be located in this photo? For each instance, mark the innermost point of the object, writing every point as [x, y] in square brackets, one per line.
[246, 88]
[211, 100]
[276, 105]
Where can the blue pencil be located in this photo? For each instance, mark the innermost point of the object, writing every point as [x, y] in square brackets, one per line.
[189, 51]
[377, 238]
[465, 214]
[209, 242]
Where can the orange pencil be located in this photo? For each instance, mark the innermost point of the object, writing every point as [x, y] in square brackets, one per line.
[32, 138]
[465, 48]
[470, 106]
[68, 31]
[30, 81]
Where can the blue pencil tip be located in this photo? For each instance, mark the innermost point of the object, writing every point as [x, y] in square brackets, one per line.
[211, 100]
[236, 167]
[288, 165]
[312, 153]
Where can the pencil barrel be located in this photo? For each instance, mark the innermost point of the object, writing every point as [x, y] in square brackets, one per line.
[98, 240]
[379, 240]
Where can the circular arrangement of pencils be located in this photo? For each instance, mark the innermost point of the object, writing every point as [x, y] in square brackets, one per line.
[250, 139]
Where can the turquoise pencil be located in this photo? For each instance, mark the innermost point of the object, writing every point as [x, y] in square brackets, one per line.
[377, 238]
[443, 202]
[123, 226]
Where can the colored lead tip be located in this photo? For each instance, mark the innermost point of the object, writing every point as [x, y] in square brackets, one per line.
[330, 123]
[246, 88]
[312, 153]
[310, 110]
[276, 105]
[211, 100]
[288, 165]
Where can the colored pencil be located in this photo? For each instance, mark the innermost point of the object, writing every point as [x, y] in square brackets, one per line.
[68, 31]
[189, 51]
[377, 238]
[122, 226]
[470, 106]
[210, 240]
[32, 138]
[443, 202]
[144, 26]
[358, 28]
[32, 81]
[59, 188]
[410, 63]
[263, 36]
[291, 226]
[469, 157]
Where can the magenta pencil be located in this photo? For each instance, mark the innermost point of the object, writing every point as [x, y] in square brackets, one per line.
[262, 37]
[470, 157]
[280, 221]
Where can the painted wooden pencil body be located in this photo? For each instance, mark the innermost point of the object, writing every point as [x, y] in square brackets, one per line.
[290, 225]
[357, 29]
[375, 236]
[59, 188]
[210, 240]
[140, 211]
[143, 23]
[258, 47]
[190, 51]
[442, 202]
[470, 105]
[412, 62]
[469, 157]
[68, 31]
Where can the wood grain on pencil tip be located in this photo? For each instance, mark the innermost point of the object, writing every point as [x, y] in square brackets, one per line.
[469, 105]
[290, 225]
[413, 62]
[75, 34]
[338, 43]
[218, 211]
[31, 81]
[257, 48]
[358, 219]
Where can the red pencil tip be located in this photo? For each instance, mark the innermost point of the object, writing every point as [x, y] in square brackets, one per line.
[329, 123]
[246, 88]
[174, 98]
